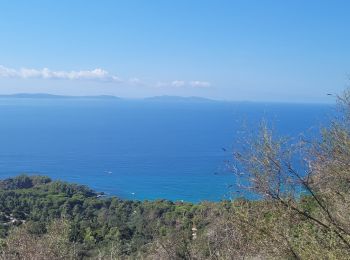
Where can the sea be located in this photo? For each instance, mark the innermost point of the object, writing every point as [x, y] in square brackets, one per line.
[142, 149]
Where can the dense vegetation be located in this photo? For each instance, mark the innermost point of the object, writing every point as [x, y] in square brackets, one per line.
[300, 214]
[96, 226]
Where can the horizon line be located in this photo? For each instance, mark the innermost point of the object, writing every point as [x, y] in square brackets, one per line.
[173, 98]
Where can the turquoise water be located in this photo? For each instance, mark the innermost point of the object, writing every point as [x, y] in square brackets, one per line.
[139, 149]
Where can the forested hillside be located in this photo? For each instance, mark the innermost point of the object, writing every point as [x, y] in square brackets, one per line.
[43, 219]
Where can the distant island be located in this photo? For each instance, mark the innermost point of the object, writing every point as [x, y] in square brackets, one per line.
[108, 97]
[50, 96]
[179, 99]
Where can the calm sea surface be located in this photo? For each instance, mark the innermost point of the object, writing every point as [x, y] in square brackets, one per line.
[139, 149]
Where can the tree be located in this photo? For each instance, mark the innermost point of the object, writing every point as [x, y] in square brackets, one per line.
[313, 193]
[55, 244]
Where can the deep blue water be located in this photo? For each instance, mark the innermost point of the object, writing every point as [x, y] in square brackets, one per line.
[138, 149]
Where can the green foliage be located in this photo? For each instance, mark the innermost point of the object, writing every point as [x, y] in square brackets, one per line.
[95, 227]
[23, 182]
[124, 226]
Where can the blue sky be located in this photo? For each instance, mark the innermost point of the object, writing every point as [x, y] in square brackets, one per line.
[235, 50]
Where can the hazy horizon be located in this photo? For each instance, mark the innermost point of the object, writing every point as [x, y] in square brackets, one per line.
[165, 98]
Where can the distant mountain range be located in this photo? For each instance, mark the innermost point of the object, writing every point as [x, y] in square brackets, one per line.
[178, 99]
[152, 99]
[50, 96]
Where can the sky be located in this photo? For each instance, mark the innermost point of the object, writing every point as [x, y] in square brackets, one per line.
[271, 50]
